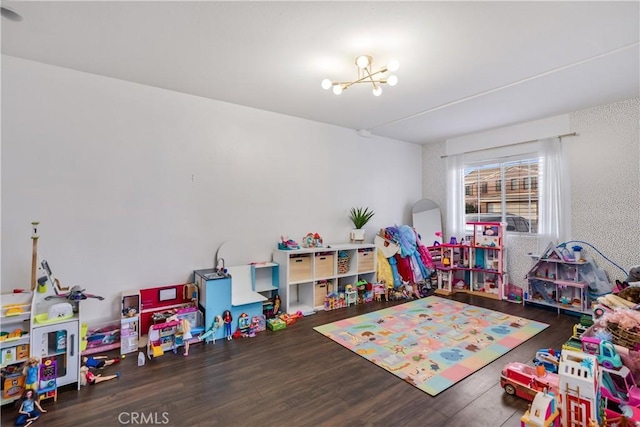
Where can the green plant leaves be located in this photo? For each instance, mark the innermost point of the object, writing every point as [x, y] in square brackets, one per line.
[360, 216]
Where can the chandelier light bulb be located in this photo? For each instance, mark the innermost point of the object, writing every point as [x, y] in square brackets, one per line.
[337, 89]
[392, 80]
[363, 61]
[377, 91]
[393, 66]
[326, 84]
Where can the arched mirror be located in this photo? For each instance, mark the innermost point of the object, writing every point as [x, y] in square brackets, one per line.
[427, 221]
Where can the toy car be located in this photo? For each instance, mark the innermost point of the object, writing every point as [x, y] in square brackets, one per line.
[526, 381]
[549, 358]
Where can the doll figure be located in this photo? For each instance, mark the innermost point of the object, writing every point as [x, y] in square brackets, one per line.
[31, 373]
[410, 291]
[88, 377]
[227, 319]
[99, 362]
[276, 305]
[210, 335]
[30, 408]
[186, 334]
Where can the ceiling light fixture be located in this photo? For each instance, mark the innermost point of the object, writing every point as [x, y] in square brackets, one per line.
[366, 75]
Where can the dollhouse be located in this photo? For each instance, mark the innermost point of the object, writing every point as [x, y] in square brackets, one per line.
[557, 279]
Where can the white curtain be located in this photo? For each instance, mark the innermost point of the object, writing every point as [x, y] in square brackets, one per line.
[455, 197]
[554, 223]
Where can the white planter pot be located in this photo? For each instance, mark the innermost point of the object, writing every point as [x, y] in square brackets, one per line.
[357, 235]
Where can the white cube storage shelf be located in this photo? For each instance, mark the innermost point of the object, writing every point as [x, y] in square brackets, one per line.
[306, 275]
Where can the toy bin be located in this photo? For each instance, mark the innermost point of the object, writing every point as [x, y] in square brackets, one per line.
[365, 260]
[320, 292]
[343, 262]
[324, 263]
[300, 268]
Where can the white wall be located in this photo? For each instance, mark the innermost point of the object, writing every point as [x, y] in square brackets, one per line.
[605, 184]
[137, 186]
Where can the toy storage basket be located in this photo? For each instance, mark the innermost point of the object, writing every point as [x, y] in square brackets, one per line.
[343, 263]
[624, 337]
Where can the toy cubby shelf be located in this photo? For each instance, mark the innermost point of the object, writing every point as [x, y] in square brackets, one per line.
[15, 320]
[555, 281]
[307, 275]
[475, 265]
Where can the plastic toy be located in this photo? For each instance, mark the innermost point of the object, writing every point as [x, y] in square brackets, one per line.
[543, 412]
[99, 362]
[254, 326]
[210, 335]
[30, 409]
[525, 381]
[75, 294]
[244, 322]
[287, 244]
[549, 358]
[227, 318]
[276, 305]
[579, 387]
[47, 380]
[619, 386]
[31, 371]
[88, 377]
[312, 240]
[603, 350]
[13, 310]
[162, 337]
[185, 327]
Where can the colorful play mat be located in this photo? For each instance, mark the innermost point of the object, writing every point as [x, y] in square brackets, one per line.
[432, 343]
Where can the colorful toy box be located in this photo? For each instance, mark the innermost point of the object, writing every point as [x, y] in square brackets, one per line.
[276, 324]
[22, 352]
[12, 385]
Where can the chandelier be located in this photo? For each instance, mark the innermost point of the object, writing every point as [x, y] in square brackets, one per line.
[366, 75]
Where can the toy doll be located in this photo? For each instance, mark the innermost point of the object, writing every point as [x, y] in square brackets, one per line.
[30, 408]
[227, 319]
[31, 372]
[410, 291]
[276, 305]
[186, 335]
[210, 335]
[88, 377]
[99, 362]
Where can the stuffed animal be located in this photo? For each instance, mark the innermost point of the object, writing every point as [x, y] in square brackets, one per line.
[634, 274]
[631, 293]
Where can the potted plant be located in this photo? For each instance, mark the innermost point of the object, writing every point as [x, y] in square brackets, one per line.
[360, 217]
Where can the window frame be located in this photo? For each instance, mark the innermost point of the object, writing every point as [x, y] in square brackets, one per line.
[518, 185]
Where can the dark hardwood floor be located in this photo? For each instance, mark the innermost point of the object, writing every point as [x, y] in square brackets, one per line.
[295, 377]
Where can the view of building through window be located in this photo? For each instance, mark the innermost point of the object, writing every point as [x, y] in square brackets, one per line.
[486, 195]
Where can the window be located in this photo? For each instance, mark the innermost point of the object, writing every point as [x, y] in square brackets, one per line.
[516, 205]
[544, 208]
[468, 190]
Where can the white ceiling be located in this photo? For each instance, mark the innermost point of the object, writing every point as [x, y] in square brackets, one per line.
[464, 66]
